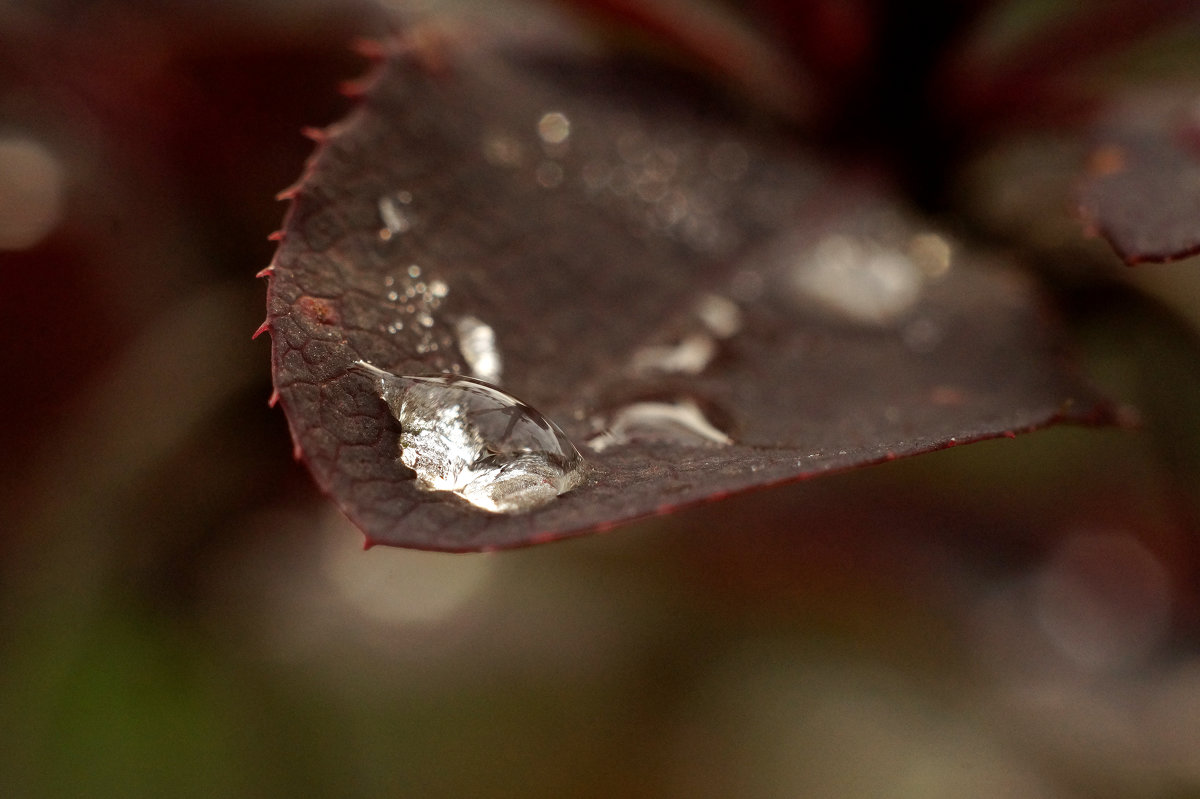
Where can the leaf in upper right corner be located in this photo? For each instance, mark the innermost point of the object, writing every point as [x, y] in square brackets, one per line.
[1142, 190]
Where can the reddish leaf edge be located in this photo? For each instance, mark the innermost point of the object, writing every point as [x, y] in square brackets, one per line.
[1102, 415]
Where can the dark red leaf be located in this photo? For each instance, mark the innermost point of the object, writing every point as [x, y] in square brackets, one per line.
[652, 251]
[1142, 192]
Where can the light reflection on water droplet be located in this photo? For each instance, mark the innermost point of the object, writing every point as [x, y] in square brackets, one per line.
[477, 343]
[468, 438]
[859, 279]
[395, 221]
[931, 253]
[720, 315]
[414, 271]
[554, 127]
[690, 356]
[679, 422]
[438, 288]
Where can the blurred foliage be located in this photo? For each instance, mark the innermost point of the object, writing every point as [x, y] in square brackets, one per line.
[182, 615]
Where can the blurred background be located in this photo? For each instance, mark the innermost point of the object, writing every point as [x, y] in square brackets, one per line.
[182, 614]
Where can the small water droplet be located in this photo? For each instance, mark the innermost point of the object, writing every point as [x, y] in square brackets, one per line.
[477, 343]
[679, 422]
[414, 271]
[395, 221]
[424, 320]
[438, 288]
[468, 438]
[931, 253]
[690, 356]
[859, 279]
[720, 315]
[554, 127]
[393, 295]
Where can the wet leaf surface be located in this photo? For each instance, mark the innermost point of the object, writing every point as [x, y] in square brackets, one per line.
[1142, 193]
[630, 244]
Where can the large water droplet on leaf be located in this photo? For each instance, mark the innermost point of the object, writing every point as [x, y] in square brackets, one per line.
[469, 438]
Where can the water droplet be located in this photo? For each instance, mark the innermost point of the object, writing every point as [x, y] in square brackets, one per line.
[424, 320]
[554, 127]
[859, 279]
[395, 221]
[720, 315]
[393, 295]
[931, 253]
[438, 288]
[679, 422]
[690, 356]
[477, 343]
[414, 271]
[468, 438]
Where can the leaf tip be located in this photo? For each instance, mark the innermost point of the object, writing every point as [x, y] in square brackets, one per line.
[370, 49]
[315, 134]
[263, 328]
[266, 271]
[273, 400]
[275, 236]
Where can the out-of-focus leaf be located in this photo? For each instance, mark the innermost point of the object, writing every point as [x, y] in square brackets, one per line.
[1142, 193]
[627, 242]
